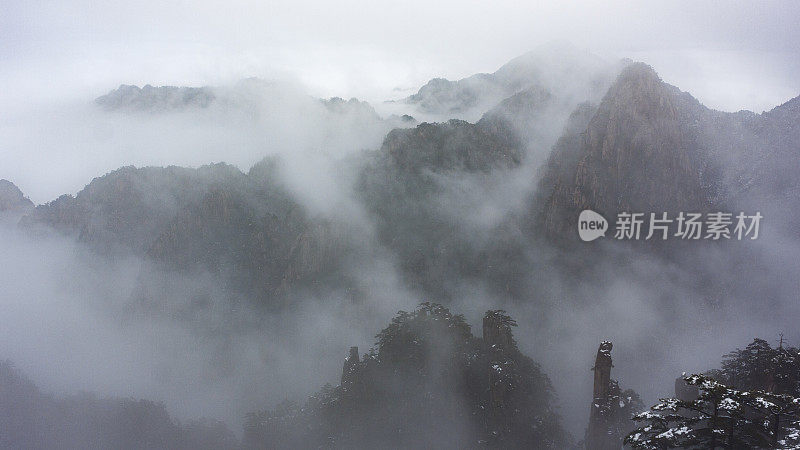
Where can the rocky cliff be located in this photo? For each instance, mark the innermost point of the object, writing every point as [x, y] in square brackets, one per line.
[649, 147]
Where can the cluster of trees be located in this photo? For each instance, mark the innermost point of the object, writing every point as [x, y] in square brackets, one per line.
[428, 383]
[752, 401]
[761, 367]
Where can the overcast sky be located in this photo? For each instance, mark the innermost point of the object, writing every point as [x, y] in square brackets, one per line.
[57, 54]
[731, 55]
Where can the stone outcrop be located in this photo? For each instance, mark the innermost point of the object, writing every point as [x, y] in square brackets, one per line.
[648, 147]
[602, 370]
[598, 435]
[612, 408]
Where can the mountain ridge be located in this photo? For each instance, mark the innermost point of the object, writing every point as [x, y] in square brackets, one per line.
[12, 199]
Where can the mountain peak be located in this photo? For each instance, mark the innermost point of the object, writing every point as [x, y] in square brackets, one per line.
[639, 90]
[566, 71]
[12, 199]
[638, 153]
[639, 72]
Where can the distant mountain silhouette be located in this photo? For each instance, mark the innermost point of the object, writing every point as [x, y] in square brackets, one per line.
[12, 199]
[557, 68]
[33, 419]
[643, 146]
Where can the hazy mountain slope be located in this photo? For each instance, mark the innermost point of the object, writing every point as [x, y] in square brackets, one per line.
[437, 193]
[153, 99]
[637, 153]
[441, 194]
[243, 229]
[442, 96]
[246, 96]
[562, 70]
[125, 210]
[418, 188]
[12, 199]
[766, 173]
[651, 148]
[34, 420]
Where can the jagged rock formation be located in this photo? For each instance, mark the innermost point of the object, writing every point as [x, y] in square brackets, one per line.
[428, 384]
[611, 408]
[597, 435]
[422, 186]
[645, 147]
[12, 199]
[649, 147]
[130, 98]
[497, 336]
[637, 153]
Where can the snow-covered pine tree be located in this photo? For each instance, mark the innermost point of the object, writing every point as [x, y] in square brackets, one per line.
[762, 367]
[720, 417]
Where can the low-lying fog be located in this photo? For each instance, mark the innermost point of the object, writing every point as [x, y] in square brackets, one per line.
[64, 318]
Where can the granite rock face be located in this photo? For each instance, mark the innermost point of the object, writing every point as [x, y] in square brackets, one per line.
[637, 153]
[649, 147]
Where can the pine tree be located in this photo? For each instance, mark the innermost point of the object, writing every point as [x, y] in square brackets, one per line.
[720, 417]
[761, 367]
